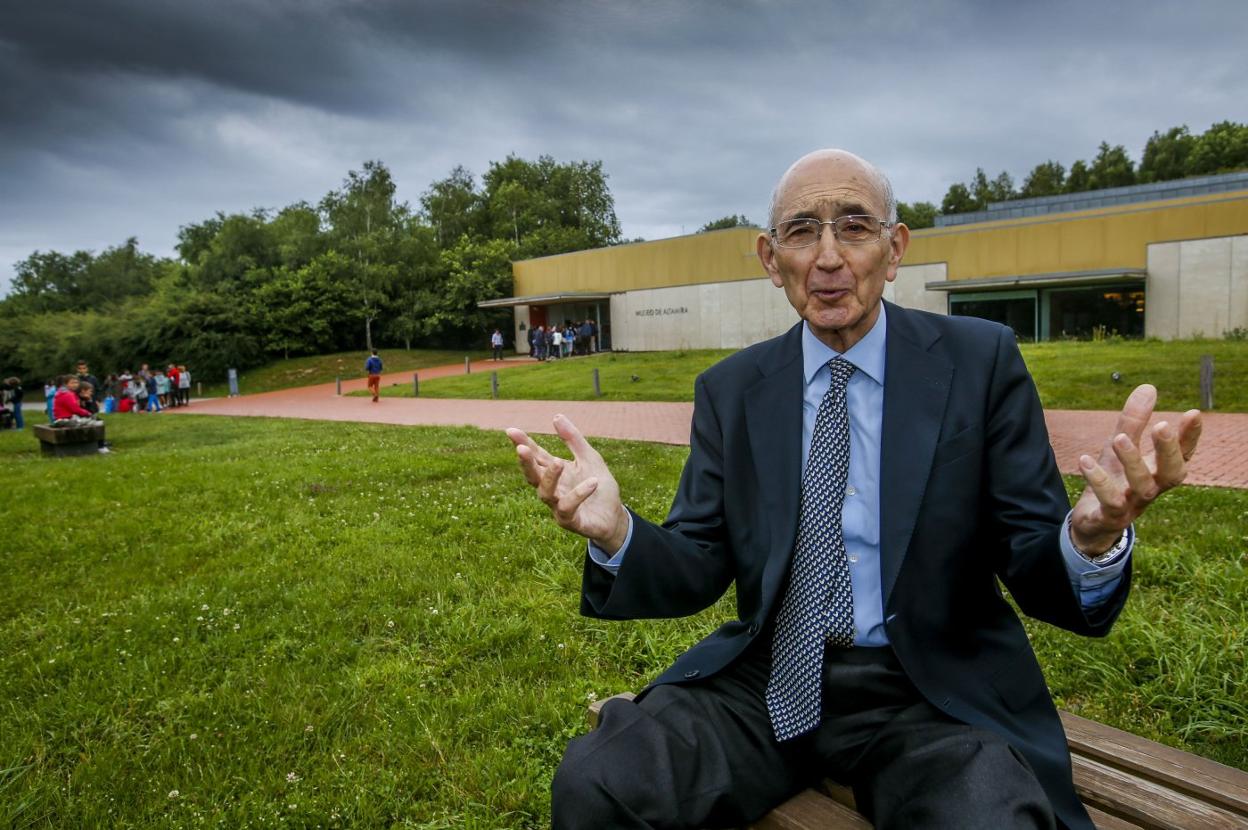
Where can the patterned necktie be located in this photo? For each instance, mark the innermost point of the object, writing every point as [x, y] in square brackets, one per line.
[818, 606]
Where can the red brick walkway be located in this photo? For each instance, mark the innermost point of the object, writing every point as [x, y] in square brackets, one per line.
[1221, 461]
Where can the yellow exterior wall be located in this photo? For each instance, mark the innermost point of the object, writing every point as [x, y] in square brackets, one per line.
[1089, 240]
[716, 256]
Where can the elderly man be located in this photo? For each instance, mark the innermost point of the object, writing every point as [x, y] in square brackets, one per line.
[866, 479]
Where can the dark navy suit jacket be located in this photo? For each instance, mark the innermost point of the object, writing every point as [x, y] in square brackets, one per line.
[969, 494]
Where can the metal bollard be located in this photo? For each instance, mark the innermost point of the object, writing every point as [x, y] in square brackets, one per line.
[494, 385]
[416, 384]
[1206, 382]
[597, 386]
[467, 365]
[338, 386]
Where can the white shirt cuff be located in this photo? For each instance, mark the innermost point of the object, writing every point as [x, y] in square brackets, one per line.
[607, 561]
[1093, 582]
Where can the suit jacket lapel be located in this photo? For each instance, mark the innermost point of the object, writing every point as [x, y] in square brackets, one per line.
[773, 411]
[916, 391]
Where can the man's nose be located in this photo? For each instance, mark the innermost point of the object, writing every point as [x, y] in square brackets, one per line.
[828, 253]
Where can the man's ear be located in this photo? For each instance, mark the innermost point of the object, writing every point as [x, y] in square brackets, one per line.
[898, 241]
[767, 256]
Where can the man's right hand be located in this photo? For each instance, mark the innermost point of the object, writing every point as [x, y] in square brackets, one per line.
[582, 494]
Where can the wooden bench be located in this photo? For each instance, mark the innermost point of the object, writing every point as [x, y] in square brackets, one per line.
[63, 441]
[1125, 781]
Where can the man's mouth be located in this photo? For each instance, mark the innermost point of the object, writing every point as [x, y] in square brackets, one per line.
[829, 295]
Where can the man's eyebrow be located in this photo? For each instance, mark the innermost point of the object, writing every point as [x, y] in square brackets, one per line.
[837, 210]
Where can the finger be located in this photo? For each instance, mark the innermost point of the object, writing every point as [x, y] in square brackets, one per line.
[1190, 426]
[570, 502]
[1109, 493]
[1139, 477]
[573, 438]
[529, 465]
[1171, 467]
[521, 439]
[548, 485]
[1136, 412]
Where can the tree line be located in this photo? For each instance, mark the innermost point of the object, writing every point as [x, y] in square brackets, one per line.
[1173, 154]
[357, 269]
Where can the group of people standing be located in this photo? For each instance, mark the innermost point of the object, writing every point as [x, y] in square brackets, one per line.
[555, 341]
[142, 391]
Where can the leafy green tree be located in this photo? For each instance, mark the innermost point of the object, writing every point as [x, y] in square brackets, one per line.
[734, 221]
[366, 224]
[1045, 179]
[49, 281]
[981, 189]
[1079, 178]
[1112, 167]
[958, 199]
[450, 204]
[916, 216]
[1001, 189]
[1221, 148]
[1166, 155]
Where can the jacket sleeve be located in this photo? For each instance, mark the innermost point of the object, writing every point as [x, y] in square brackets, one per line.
[685, 564]
[1027, 503]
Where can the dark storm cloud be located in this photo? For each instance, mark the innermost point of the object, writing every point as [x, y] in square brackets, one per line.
[124, 117]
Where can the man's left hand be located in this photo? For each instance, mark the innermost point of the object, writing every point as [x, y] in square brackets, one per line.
[1124, 480]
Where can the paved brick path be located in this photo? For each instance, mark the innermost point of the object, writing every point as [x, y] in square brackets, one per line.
[1221, 461]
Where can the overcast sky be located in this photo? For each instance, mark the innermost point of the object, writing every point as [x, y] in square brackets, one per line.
[133, 117]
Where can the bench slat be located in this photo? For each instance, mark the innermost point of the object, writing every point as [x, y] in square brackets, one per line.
[1105, 821]
[811, 810]
[1207, 780]
[1149, 804]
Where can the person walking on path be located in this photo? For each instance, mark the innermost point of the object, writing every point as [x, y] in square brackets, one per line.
[372, 367]
[496, 342]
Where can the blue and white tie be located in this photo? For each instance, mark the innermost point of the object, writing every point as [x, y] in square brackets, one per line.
[818, 607]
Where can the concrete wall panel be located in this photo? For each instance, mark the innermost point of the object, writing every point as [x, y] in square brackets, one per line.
[1239, 283]
[1161, 291]
[1204, 282]
[909, 288]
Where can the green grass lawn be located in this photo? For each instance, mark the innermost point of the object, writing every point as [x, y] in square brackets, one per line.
[661, 376]
[309, 371]
[264, 623]
[1069, 375]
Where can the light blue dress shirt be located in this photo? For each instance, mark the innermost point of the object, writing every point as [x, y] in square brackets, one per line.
[860, 516]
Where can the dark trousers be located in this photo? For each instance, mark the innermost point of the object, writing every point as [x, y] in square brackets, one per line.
[704, 756]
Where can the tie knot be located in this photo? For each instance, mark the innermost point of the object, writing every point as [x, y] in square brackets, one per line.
[841, 370]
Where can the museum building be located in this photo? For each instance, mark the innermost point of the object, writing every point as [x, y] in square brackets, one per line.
[1166, 260]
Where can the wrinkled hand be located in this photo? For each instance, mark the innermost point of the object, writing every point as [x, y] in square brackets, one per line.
[1124, 481]
[582, 494]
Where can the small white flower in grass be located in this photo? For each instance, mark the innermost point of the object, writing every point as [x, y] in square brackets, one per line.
[177, 639]
[307, 728]
[193, 736]
[227, 611]
[389, 623]
[591, 697]
[292, 777]
[199, 619]
[561, 645]
[237, 626]
[203, 607]
[174, 793]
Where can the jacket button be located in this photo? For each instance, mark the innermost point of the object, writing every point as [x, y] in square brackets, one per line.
[753, 629]
[689, 675]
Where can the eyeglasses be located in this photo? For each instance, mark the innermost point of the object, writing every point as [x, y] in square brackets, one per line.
[848, 230]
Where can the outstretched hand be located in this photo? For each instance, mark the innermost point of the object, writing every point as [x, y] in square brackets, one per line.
[582, 494]
[1124, 480]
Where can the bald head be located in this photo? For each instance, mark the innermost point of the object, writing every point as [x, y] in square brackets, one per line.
[833, 165]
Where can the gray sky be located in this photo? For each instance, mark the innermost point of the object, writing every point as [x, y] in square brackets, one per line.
[133, 117]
